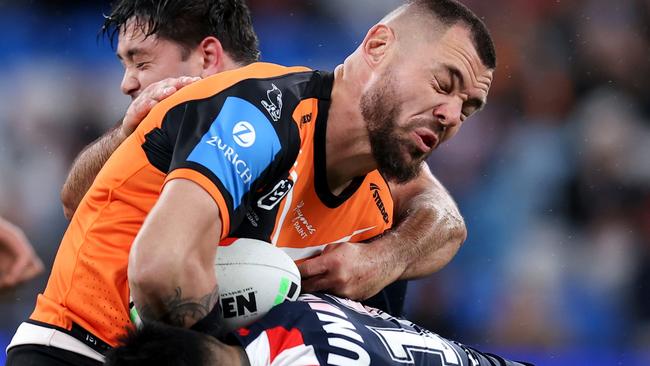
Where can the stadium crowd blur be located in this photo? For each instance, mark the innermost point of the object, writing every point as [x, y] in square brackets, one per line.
[552, 177]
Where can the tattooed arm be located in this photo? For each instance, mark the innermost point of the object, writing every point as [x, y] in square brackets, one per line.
[171, 264]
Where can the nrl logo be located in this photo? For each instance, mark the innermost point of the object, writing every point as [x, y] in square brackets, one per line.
[274, 96]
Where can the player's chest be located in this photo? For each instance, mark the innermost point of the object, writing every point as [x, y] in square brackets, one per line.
[304, 219]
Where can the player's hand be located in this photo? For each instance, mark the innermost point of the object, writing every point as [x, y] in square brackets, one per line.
[18, 261]
[149, 97]
[351, 270]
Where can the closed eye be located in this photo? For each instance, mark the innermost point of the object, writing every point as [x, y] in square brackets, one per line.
[441, 87]
[472, 106]
[141, 65]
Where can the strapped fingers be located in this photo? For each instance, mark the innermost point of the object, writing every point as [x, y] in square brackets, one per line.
[167, 87]
[178, 83]
[164, 93]
[152, 95]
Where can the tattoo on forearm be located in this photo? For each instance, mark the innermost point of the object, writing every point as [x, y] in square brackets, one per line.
[179, 311]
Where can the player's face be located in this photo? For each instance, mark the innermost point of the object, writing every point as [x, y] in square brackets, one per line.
[421, 99]
[151, 59]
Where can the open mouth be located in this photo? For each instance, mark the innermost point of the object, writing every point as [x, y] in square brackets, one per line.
[425, 139]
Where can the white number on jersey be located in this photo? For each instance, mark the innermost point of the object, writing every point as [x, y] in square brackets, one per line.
[402, 343]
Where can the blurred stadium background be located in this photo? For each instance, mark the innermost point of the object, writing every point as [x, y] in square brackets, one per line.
[552, 177]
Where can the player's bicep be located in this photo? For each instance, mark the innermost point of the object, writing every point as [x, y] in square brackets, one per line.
[183, 224]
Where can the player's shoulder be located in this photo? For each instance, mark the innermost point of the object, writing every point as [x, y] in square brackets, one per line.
[273, 88]
[263, 70]
[220, 82]
[253, 79]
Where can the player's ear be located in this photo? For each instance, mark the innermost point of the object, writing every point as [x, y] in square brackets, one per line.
[377, 44]
[213, 56]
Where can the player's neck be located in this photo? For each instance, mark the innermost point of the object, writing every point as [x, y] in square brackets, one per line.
[347, 146]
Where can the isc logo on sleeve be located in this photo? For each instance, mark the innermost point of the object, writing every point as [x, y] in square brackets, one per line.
[240, 144]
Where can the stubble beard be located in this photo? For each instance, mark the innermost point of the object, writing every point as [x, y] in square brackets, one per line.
[380, 109]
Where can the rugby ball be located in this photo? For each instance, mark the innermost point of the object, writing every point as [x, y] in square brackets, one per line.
[253, 277]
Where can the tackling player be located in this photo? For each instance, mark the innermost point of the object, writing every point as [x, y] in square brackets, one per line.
[315, 330]
[286, 155]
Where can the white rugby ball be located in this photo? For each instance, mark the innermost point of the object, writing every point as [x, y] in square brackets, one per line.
[253, 277]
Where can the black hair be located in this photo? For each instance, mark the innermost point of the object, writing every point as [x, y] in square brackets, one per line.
[450, 12]
[160, 344]
[188, 22]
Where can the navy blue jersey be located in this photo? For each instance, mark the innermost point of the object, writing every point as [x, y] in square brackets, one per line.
[322, 329]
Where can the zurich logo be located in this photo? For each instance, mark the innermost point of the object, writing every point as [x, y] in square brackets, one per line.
[244, 134]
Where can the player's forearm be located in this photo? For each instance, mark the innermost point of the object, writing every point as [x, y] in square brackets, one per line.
[179, 289]
[86, 167]
[175, 285]
[176, 296]
[426, 240]
[171, 263]
[429, 228]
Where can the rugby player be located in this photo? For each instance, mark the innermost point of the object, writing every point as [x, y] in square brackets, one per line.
[317, 329]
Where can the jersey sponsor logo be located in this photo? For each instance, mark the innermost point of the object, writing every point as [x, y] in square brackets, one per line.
[241, 167]
[244, 134]
[300, 222]
[274, 103]
[380, 204]
[271, 199]
[239, 304]
[240, 144]
[341, 334]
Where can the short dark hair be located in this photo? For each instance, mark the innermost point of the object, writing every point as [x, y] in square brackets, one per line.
[188, 22]
[451, 12]
[160, 344]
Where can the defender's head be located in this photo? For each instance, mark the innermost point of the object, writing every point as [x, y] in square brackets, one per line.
[158, 39]
[158, 344]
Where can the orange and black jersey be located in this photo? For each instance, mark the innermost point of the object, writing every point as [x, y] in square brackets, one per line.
[254, 138]
[258, 147]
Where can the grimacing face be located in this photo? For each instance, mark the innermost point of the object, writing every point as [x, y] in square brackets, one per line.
[380, 109]
[151, 59]
[421, 99]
